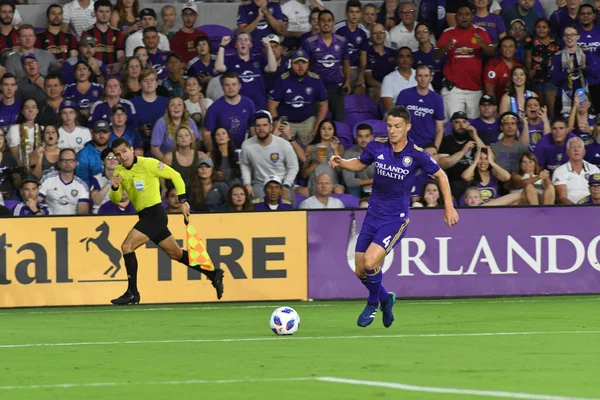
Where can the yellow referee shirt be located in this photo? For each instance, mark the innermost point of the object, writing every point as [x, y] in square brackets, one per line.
[142, 184]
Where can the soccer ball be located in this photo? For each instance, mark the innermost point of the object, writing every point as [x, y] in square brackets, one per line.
[285, 321]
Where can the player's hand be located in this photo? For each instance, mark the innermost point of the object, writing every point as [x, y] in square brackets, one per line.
[185, 210]
[225, 40]
[116, 180]
[335, 161]
[450, 217]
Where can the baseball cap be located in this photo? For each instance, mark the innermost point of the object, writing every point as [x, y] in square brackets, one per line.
[30, 179]
[459, 115]
[517, 20]
[205, 160]
[273, 178]
[273, 38]
[594, 178]
[67, 104]
[101, 126]
[147, 12]
[190, 6]
[116, 108]
[87, 41]
[486, 98]
[262, 114]
[26, 56]
[299, 55]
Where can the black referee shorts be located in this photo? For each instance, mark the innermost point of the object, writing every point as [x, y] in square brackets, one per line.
[154, 223]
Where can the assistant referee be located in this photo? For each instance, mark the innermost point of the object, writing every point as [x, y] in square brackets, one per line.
[139, 177]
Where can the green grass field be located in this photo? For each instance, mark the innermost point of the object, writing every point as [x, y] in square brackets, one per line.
[531, 348]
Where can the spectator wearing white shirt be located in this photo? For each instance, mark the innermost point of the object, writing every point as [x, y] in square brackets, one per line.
[571, 179]
[71, 134]
[403, 34]
[62, 191]
[298, 13]
[403, 77]
[148, 19]
[78, 16]
[322, 198]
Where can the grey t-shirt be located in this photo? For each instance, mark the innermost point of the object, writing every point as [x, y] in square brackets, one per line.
[214, 200]
[508, 156]
[352, 179]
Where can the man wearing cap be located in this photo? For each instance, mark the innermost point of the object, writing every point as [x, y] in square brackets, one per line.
[523, 10]
[572, 178]
[508, 150]
[182, 42]
[248, 66]
[457, 151]
[265, 155]
[118, 119]
[88, 159]
[272, 200]
[30, 188]
[27, 38]
[71, 134]
[357, 38]
[78, 16]
[62, 44]
[283, 63]
[594, 187]
[148, 19]
[294, 96]
[260, 18]
[465, 45]
[426, 109]
[487, 125]
[31, 85]
[564, 17]
[109, 41]
[87, 53]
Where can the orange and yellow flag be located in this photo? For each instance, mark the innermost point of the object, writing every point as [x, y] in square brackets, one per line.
[196, 250]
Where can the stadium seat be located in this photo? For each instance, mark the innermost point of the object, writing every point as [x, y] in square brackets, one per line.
[344, 133]
[349, 200]
[11, 204]
[379, 127]
[216, 33]
[359, 108]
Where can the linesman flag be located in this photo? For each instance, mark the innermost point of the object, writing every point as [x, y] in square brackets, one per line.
[197, 253]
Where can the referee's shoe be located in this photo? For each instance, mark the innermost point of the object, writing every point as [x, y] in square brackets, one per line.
[126, 299]
[216, 277]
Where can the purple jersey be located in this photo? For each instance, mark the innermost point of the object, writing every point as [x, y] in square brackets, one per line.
[381, 64]
[101, 110]
[589, 41]
[493, 24]
[592, 153]
[424, 111]
[251, 76]
[537, 5]
[488, 133]
[358, 40]
[490, 191]
[237, 119]
[296, 97]
[133, 135]
[263, 205]
[196, 67]
[394, 176]
[433, 13]
[21, 210]
[109, 208]
[559, 20]
[549, 155]
[83, 100]
[326, 61]
[420, 57]
[272, 77]
[9, 115]
[248, 12]
[158, 61]
[152, 111]
[536, 132]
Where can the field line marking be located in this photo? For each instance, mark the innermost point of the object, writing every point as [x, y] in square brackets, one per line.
[470, 392]
[270, 338]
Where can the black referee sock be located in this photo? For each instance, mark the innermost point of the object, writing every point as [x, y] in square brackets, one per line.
[185, 260]
[131, 265]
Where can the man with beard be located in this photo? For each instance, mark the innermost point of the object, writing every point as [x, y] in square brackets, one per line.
[359, 183]
[88, 158]
[9, 39]
[265, 155]
[148, 19]
[27, 39]
[457, 151]
[110, 42]
[232, 112]
[87, 53]
[508, 150]
[294, 96]
[53, 39]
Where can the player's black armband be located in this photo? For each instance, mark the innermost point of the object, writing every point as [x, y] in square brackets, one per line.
[182, 198]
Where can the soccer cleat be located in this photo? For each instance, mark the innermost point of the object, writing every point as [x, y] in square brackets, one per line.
[126, 299]
[386, 309]
[216, 277]
[368, 315]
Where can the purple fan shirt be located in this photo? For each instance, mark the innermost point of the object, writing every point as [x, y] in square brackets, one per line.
[394, 176]
[592, 153]
[549, 155]
[297, 97]
[272, 77]
[248, 12]
[358, 40]
[237, 119]
[420, 57]
[158, 61]
[101, 110]
[196, 67]
[488, 133]
[493, 24]
[160, 136]
[84, 101]
[9, 115]
[536, 132]
[424, 112]
[590, 42]
[326, 61]
[251, 75]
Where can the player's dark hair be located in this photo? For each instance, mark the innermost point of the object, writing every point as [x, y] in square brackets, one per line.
[102, 3]
[201, 39]
[120, 141]
[399, 112]
[364, 127]
[353, 4]
[317, 139]
[323, 12]
[50, 7]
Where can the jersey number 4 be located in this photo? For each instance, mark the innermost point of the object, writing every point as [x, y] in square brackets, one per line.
[387, 241]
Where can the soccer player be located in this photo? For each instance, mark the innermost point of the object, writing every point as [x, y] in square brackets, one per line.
[397, 160]
[139, 176]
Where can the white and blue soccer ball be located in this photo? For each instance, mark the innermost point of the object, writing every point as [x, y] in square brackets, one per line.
[285, 321]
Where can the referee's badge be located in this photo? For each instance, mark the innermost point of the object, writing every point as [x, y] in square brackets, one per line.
[74, 192]
[139, 185]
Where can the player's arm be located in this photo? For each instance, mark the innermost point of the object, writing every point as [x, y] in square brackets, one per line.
[353, 164]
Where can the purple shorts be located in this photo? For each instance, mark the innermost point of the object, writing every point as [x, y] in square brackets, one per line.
[385, 234]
